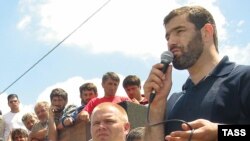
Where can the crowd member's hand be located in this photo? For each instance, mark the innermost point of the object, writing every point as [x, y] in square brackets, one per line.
[159, 82]
[84, 116]
[204, 130]
[134, 100]
[52, 111]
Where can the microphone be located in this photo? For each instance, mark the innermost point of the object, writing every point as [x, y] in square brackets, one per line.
[166, 59]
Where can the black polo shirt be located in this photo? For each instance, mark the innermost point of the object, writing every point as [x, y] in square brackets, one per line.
[222, 97]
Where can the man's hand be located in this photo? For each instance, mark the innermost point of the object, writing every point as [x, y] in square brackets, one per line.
[134, 100]
[204, 130]
[159, 82]
[84, 116]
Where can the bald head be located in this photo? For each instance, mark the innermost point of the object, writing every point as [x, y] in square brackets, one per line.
[109, 122]
[108, 106]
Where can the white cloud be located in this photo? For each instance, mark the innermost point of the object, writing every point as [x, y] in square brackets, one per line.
[239, 26]
[240, 23]
[24, 22]
[237, 54]
[131, 27]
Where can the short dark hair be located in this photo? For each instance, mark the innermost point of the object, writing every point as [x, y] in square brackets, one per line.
[88, 86]
[27, 116]
[136, 133]
[131, 80]
[18, 132]
[59, 92]
[110, 75]
[197, 15]
[10, 96]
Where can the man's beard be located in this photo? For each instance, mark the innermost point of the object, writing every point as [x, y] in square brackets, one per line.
[190, 53]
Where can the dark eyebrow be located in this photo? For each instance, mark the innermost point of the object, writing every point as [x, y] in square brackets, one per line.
[174, 29]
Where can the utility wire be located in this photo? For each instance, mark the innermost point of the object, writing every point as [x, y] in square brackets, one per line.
[44, 56]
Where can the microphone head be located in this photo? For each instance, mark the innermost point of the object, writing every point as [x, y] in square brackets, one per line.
[167, 57]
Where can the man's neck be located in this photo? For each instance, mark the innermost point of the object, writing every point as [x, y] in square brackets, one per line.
[203, 67]
[107, 96]
[15, 110]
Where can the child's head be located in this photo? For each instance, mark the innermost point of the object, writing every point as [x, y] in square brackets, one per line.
[19, 134]
[136, 134]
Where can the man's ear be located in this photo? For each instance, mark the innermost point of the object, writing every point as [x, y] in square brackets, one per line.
[207, 32]
[127, 127]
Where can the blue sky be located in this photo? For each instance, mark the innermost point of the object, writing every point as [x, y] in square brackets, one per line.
[126, 37]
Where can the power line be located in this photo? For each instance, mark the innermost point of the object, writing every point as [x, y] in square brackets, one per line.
[50, 51]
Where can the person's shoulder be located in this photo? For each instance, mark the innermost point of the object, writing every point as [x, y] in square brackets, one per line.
[242, 68]
[6, 115]
[241, 71]
[233, 70]
[236, 67]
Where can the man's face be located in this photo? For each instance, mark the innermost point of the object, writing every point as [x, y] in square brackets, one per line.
[29, 123]
[20, 137]
[13, 103]
[133, 91]
[87, 95]
[184, 41]
[106, 125]
[42, 113]
[58, 103]
[110, 87]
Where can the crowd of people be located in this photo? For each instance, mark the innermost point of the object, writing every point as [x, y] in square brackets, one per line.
[49, 119]
[206, 99]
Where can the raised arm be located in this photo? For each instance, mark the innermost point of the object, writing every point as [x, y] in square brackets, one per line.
[161, 84]
[52, 135]
[39, 135]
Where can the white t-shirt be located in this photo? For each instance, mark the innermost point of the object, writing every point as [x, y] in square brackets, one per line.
[12, 121]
